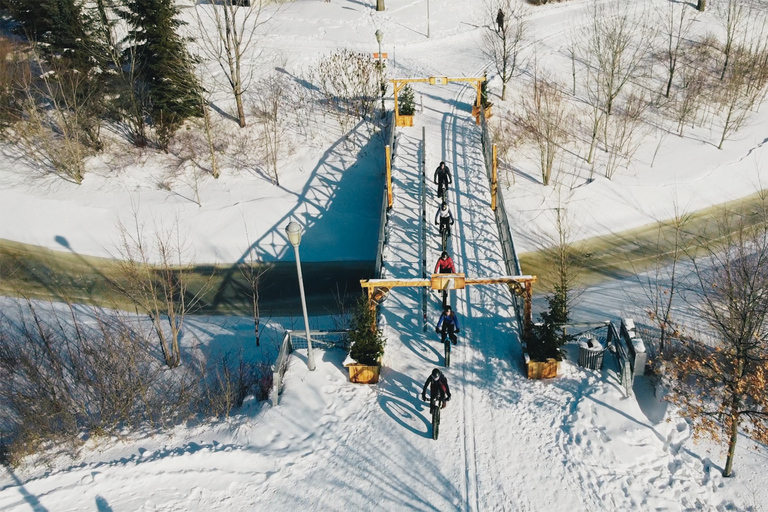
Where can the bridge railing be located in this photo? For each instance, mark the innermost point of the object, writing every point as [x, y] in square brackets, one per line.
[389, 134]
[511, 261]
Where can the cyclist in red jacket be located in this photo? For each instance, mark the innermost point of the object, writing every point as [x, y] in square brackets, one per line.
[445, 264]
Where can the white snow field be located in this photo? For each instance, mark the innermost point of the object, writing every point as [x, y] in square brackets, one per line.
[507, 443]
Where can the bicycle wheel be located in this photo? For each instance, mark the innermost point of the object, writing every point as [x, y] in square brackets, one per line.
[436, 420]
[444, 233]
[447, 352]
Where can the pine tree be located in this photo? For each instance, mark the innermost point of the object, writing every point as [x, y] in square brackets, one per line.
[163, 64]
[367, 341]
[407, 105]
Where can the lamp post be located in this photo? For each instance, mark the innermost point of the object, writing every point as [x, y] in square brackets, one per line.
[293, 230]
[382, 87]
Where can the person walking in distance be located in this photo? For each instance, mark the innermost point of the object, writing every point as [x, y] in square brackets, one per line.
[438, 388]
[442, 179]
[448, 325]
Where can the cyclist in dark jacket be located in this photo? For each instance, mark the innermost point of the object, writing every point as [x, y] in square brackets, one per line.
[438, 388]
[442, 178]
[448, 325]
[445, 264]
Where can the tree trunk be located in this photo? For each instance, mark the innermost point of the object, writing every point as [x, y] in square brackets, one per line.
[732, 444]
[702, 5]
[503, 91]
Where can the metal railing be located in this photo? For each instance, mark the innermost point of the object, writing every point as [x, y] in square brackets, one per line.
[294, 340]
[424, 228]
[390, 137]
[511, 261]
[616, 346]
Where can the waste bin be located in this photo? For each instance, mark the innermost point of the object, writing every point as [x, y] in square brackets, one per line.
[591, 353]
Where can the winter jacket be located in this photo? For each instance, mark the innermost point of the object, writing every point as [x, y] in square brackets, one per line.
[445, 266]
[451, 319]
[443, 216]
[437, 387]
[443, 175]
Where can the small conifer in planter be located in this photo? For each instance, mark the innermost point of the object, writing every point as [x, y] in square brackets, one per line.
[407, 105]
[547, 338]
[367, 341]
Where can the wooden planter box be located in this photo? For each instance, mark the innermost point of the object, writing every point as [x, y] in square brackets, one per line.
[542, 370]
[403, 120]
[364, 374]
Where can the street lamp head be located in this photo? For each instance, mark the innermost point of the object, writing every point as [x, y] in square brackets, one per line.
[293, 230]
[379, 35]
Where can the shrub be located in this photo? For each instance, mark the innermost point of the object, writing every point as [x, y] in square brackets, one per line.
[407, 105]
[367, 341]
[547, 336]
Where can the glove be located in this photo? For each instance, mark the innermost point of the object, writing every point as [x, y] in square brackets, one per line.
[437, 331]
[448, 398]
[423, 397]
[458, 331]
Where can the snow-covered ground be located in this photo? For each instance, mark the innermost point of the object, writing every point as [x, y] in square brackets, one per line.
[507, 443]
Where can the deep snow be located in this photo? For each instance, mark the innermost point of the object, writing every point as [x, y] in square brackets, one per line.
[507, 443]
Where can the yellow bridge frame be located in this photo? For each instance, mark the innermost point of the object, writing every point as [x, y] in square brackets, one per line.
[519, 285]
[399, 83]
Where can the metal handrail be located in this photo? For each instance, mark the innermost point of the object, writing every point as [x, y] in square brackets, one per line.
[511, 261]
[292, 340]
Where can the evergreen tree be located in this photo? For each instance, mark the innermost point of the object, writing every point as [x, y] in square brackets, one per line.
[163, 65]
[367, 341]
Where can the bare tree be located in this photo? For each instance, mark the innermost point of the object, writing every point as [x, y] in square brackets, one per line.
[252, 272]
[155, 269]
[675, 27]
[235, 24]
[720, 378]
[267, 109]
[662, 283]
[545, 118]
[616, 46]
[739, 93]
[503, 37]
[732, 15]
[349, 82]
[59, 125]
[690, 96]
[624, 133]
[564, 265]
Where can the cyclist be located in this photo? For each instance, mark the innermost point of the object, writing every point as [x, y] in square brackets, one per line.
[438, 388]
[442, 178]
[445, 264]
[443, 218]
[448, 325]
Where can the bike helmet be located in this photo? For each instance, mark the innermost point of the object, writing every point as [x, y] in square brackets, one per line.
[435, 373]
[444, 254]
[444, 205]
[448, 309]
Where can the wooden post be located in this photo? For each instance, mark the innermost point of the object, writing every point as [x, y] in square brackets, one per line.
[527, 312]
[388, 151]
[397, 87]
[494, 180]
[478, 85]
[379, 5]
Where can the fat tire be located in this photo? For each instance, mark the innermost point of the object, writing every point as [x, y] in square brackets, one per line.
[436, 420]
[447, 352]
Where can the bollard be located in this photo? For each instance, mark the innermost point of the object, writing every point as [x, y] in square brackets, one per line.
[379, 5]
